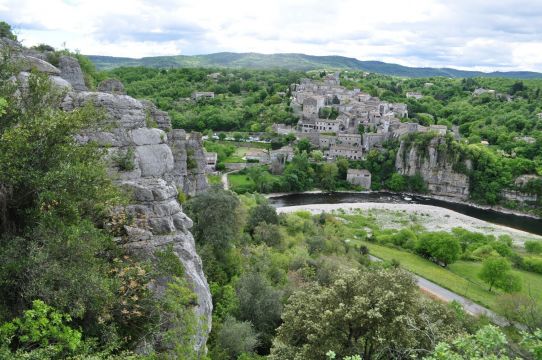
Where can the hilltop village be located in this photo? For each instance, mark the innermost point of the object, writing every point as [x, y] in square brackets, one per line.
[347, 123]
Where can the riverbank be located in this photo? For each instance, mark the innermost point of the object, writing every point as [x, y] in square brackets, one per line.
[432, 218]
[498, 209]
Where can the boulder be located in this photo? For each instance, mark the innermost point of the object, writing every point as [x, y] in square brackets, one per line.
[29, 63]
[70, 70]
[111, 86]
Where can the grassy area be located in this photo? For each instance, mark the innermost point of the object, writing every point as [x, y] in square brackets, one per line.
[445, 278]
[531, 282]
[234, 159]
[245, 144]
[241, 183]
[461, 277]
[214, 179]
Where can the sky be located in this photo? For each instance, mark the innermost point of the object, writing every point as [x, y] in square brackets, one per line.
[467, 34]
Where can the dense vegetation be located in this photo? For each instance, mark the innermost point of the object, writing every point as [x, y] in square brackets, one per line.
[277, 280]
[247, 100]
[296, 62]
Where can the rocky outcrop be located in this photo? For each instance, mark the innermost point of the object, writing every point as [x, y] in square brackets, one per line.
[70, 70]
[522, 192]
[29, 63]
[190, 163]
[111, 86]
[153, 178]
[435, 167]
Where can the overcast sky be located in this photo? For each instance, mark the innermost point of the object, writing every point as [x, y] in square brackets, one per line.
[469, 34]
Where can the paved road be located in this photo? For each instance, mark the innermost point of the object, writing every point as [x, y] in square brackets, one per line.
[225, 182]
[447, 296]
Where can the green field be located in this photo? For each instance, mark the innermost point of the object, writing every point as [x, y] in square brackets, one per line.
[241, 183]
[460, 277]
[214, 179]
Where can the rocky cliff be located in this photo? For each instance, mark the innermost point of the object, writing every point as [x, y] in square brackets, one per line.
[435, 167]
[151, 161]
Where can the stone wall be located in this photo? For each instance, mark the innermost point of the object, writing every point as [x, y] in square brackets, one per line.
[435, 168]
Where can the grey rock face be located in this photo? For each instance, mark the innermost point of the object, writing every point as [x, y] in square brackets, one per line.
[434, 167]
[190, 162]
[159, 220]
[111, 86]
[71, 72]
[29, 63]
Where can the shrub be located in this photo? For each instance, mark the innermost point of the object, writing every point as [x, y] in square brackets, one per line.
[533, 246]
[532, 264]
[124, 159]
[236, 337]
[42, 326]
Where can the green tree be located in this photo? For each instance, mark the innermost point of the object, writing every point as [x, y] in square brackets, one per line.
[6, 31]
[260, 304]
[441, 246]
[397, 182]
[376, 314]
[496, 272]
[328, 176]
[262, 213]
[304, 145]
[317, 155]
[236, 337]
[488, 343]
[268, 234]
[217, 218]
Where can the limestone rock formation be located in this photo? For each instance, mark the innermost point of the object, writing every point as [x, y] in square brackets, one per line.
[71, 72]
[190, 163]
[435, 168]
[111, 86]
[29, 63]
[153, 179]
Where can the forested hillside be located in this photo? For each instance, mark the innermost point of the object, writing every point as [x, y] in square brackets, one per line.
[295, 62]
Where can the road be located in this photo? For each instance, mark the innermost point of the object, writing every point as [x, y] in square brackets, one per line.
[447, 296]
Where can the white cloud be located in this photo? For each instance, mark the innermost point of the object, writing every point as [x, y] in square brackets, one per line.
[479, 34]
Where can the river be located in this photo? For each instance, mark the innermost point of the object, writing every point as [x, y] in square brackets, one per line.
[524, 223]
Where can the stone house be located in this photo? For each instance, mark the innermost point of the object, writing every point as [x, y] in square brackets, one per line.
[327, 125]
[370, 140]
[353, 140]
[312, 105]
[283, 129]
[439, 129]
[325, 141]
[349, 152]
[211, 159]
[361, 177]
[480, 91]
[414, 95]
[197, 95]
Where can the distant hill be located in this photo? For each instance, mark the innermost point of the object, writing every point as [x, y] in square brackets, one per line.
[296, 62]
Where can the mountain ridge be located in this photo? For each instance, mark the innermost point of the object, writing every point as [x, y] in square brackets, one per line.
[296, 61]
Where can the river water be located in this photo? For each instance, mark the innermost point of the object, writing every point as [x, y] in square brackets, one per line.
[524, 223]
